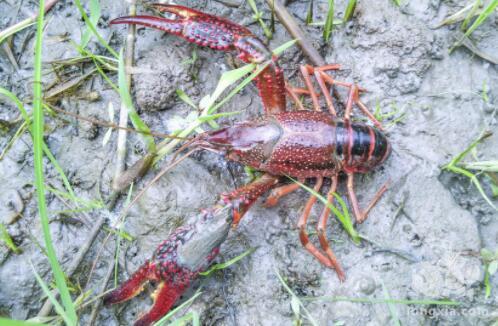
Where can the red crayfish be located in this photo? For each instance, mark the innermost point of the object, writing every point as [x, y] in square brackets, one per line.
[298, 143]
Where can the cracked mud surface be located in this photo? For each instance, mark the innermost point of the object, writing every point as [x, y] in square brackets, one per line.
[429, 251]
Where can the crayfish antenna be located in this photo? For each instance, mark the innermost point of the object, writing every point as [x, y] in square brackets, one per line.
[190, 142]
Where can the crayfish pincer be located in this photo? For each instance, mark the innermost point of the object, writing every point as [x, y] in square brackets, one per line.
[288, 141]
[188, 251]
[176, 262]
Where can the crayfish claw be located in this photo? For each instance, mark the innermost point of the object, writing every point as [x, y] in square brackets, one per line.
[131, 287]
[161, 23]
[220, 34]
[164, 298]
[180, 11]
[176, 263]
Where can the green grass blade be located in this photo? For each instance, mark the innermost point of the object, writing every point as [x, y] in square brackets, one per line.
[348, 14]
[58, 308]
[185, 98]
[487, 284]
[457, 16]
[309, 14]
[482, 166]
[227, 263]
[38, 127]
[227, 79]
[258, 18]
[296, 299]
[7, 239]
[390, 305]
[191, 316]
[95, 13]
[243, 71]
[477, 184]
[127, 101]
[45, 148]
[280, 49]
[329, 22]
[482, 17]
[453, 166]
[471, 14]
[92, 28]
[5, 34]
[12, 322]
[210, 117]
[345, 219]
[17, 102]
[99, 62]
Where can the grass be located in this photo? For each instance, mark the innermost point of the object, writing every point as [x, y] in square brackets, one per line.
[391, 306]
[7, 240]
[457, 167]
[473, 12]
[258, 17]
[95, 12]
[121, 234]
[396, 115]
[490, 260]
[309, 14]
[17, 135]
[228, 263]
[128, 102]
[91, 26]
[296, 303]
[11, 322]
[348, 14]
[329, 22]
[483, 16]
[8, 32]
[68, 312]
[192, 316]
[46, 150]
[467, 15]
[63, 313]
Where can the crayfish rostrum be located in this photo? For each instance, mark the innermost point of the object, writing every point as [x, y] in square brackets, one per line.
[300, 143]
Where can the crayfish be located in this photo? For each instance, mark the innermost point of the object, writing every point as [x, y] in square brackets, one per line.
[303, 144]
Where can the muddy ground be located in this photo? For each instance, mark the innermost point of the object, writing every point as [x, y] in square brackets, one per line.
[428, 251]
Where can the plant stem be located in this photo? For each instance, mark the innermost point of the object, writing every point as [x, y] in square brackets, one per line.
[123, 113]
[302, 39]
